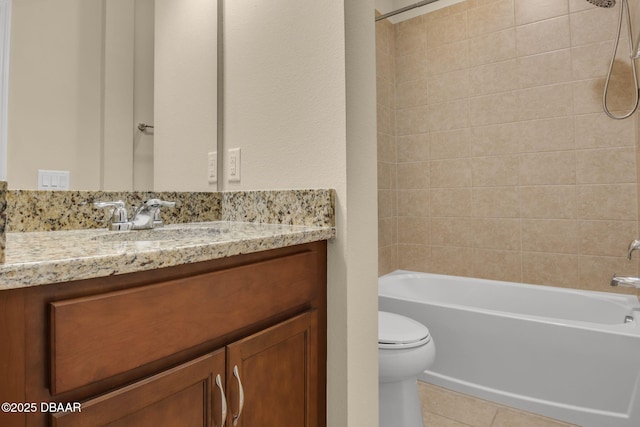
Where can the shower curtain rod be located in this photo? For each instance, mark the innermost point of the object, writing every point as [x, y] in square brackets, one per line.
[404, 9]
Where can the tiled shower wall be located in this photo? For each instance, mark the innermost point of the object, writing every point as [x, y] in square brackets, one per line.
[495, 159]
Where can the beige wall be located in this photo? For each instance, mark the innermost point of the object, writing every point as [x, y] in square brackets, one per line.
[185, 94]
[71, 92]
[499, 162]
[299, 102]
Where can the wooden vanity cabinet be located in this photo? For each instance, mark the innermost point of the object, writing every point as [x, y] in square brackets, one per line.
[167, 347]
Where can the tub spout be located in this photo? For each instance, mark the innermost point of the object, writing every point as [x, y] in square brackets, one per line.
[627, 281]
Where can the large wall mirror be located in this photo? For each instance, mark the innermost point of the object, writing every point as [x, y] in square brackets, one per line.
[85, 74]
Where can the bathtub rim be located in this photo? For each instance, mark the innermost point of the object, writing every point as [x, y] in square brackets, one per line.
[627, 300]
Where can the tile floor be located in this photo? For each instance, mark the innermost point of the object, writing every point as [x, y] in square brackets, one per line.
[446, 408]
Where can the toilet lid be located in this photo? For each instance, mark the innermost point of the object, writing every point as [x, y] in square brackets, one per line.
[397, 330]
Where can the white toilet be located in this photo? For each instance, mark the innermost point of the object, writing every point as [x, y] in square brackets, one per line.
[405, 349]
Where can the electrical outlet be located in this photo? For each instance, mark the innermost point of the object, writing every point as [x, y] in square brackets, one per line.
[234, 165]
[213, 167]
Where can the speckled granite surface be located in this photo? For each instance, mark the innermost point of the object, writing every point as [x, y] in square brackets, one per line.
[300, 207]
[40, 258]
[3, 217]
[30, 210]
[83, 248]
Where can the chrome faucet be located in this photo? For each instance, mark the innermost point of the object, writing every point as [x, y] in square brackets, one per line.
[627, 281]
[633, 246]
[145, 217]
[148, 214]
[118, 219]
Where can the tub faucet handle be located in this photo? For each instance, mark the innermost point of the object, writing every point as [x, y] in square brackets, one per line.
[634, 245]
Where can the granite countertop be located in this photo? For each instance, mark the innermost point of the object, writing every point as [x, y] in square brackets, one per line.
[39, 258]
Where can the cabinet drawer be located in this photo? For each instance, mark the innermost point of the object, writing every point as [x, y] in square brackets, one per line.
[94, 338]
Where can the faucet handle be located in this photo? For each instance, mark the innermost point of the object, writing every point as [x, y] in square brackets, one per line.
[119, 219]
[634, 245]
[157, 203]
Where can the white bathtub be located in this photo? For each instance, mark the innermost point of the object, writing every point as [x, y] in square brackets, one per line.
[562, 353]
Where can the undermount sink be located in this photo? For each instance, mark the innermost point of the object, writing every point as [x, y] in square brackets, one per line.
[160, 234]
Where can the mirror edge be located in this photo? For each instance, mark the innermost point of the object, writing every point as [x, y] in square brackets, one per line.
[220, 98]
[5, 42]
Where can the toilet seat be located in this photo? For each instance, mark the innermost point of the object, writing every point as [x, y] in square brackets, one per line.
[396, 332]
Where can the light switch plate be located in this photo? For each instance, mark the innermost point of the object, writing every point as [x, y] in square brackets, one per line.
[233, 165]
[53, 180]
[212, 167]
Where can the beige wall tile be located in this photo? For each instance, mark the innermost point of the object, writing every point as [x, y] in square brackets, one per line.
[410, 67]
[497, 233]
[386, 148]
[450, 173]
[449, 28]
[497, 265]
[414, 230]
[606, 166]
[451, 144]
[606, 238]
[596, 272]
[494, 78]
[548, 202]
[446, 58]
[452, 232]
[450, 202]
[449, 86]
[543, 36]
[384, 116]
[491, 17]
[494, 109]
[387, 259]
[451, 260]
[387, 232]
[412, 93]
[414, 257]
[495, 202]
[494, 171]
[413, 175]
[545, 102]
[612, 201]
[593, 25]
[550, 269]
[599, 131]
[413, 148]
[410, 36]
[547, 134]
[591, 60]
[550, 235]
[413, 202]
[449, 115]
[387, 203]
[386, 176]
[411, 121]
[492, 47]
[545, 68]
[557, 167]
[587, 96]
[528, 11]
[497, 139]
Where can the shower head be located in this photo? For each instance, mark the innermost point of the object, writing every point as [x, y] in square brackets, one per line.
[603, 3]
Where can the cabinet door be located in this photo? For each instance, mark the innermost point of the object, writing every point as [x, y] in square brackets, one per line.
[275, 374]
[186, 395]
